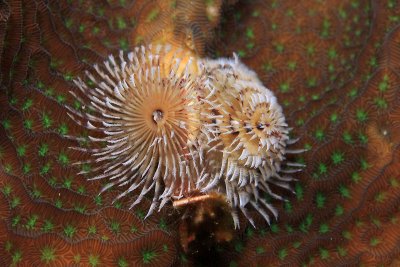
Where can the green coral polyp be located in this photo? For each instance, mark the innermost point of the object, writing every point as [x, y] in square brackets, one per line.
[15, 202]
[21, 150]
[45, 168]
[7, 189]
[26, 168]
[28, 124]
[69, 231]
[148, 256]
[320, 200]
[27, 104]
[48, 226]
[48, 255]
[337, 158]
[63, 159]
[31, 223]
[122, 262]
[94, 260]
[43, 150]
[347, 138]
[115, 227]
[47, 122]
[361, 115]
[63, 129]
[319, 134]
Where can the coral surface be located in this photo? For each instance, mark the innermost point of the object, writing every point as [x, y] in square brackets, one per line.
[334, 67]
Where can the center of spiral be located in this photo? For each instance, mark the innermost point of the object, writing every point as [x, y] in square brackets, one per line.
[158, 115]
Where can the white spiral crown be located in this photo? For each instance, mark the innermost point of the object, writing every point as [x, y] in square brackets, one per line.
[173, 126]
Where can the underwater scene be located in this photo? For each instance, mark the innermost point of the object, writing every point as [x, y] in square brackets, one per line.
[199, 133]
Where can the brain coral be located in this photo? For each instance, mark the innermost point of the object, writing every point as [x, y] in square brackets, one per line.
[333, 65]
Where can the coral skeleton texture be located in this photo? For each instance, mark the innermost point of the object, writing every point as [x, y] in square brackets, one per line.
[333, 67]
